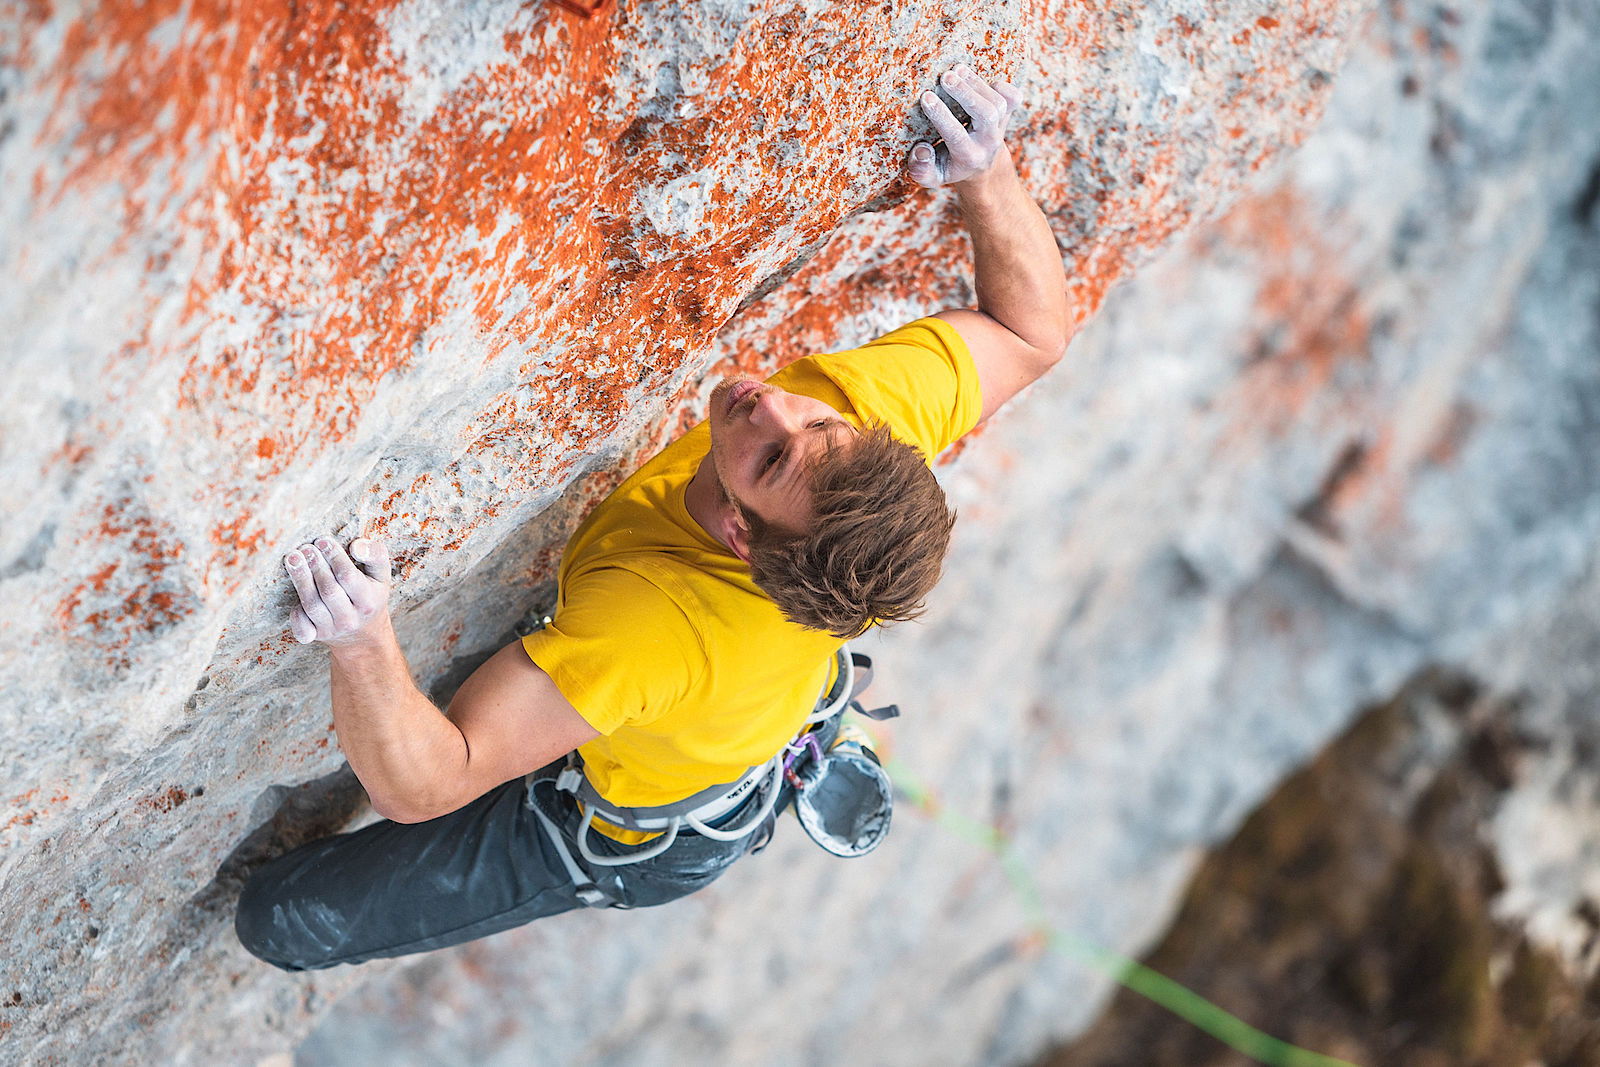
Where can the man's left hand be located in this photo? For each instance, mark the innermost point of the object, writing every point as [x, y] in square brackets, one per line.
[965, 154]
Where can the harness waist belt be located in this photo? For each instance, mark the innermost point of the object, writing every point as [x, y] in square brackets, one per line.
[710, 804]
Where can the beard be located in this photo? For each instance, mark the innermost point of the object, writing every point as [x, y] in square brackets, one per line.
[719, 418]
[725, 495]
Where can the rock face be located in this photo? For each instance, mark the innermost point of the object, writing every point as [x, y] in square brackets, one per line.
[441, 273]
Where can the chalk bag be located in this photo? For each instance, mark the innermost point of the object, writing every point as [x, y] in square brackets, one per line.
[844, 797]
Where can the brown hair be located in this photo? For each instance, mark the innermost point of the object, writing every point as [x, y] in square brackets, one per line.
[878, 533]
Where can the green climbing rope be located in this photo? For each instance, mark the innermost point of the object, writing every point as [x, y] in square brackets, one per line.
[1176, 998]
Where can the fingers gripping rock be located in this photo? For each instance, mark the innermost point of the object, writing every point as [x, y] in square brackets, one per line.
[303, 629]
[373, 557]
[332, 592]
[963, 151]
[340, 602]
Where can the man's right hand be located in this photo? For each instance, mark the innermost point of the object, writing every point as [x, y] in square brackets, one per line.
[341, 603]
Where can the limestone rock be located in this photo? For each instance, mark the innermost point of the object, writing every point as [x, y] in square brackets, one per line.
[1342, 432]
[440, 273]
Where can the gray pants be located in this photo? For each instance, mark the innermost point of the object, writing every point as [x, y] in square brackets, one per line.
[392, 889]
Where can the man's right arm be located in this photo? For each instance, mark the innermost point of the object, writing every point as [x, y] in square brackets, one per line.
[417, 764]
[514, 720]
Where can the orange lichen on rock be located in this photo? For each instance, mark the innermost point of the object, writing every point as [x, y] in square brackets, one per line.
[339, 220]
[167, 800]
[137, 595]
[1309, 318]
[408, 269]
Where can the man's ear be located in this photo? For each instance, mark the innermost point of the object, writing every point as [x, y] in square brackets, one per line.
[737, 535]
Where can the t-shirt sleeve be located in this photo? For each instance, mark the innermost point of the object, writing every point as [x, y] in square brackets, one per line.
[619, 649]
[919, 380]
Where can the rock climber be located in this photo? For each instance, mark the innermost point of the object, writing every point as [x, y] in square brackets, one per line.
[700, 610]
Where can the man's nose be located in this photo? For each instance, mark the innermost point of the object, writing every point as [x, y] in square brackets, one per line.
[776, 411]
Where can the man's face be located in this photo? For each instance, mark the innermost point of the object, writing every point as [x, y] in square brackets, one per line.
[763, 442]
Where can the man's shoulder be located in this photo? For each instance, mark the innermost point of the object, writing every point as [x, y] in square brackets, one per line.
[701, 592]
[635, 588]
[919, 380]
[644, 515]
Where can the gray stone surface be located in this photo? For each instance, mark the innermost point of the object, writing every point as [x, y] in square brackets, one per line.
[437, 273]
[1342, 431]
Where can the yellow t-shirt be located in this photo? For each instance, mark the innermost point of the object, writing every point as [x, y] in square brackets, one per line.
[661, 640]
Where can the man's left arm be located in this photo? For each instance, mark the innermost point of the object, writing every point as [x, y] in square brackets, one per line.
[1021, 325]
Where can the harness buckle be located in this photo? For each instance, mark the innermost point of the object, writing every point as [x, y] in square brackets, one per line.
[593, 896]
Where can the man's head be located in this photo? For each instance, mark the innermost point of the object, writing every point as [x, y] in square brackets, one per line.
[842, 528]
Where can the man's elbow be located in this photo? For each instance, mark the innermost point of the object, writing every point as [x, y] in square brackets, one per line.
[413, 809]
[406, 815]
[1047, 352]
[400, 812]
[1060, 335]
[1047, 339]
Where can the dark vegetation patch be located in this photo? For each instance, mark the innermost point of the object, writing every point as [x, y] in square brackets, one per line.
[1351, 914]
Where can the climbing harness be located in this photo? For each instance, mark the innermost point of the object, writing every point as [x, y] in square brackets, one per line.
[841, 795]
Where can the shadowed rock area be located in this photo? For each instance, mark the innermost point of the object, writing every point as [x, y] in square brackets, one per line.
[1352, 913]
[443, 273]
